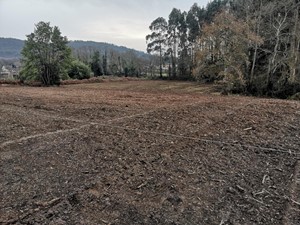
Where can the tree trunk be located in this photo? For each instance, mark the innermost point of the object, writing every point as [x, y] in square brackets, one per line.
[294, 47]
[174, 56]
[160, 62]
[272, 63]
[255, 48]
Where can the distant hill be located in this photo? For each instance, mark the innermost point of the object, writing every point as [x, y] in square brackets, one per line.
[11, 47]
[102, 47]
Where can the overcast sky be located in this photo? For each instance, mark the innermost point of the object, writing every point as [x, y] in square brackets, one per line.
[121, 22]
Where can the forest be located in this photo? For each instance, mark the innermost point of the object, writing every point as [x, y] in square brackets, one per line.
[249, 46]
[246, 46]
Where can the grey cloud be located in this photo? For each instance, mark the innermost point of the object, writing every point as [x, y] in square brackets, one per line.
[117, 21]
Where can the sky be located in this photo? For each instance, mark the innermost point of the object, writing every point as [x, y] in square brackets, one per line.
[120, 22]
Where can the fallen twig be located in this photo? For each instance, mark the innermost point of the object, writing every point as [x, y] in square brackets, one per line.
[261, 192]
[142, 185]
[240, 188]
[265, 178]
[104, 221]
[49, 203]
[295, 202]
[254, 199]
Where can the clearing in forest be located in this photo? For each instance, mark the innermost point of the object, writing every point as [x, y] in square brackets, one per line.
[147, 152]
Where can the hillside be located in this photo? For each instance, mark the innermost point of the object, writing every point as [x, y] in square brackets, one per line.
[11, 47]
[102, 47]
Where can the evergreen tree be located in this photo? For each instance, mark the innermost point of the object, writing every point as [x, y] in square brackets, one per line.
[96, 64]
[173, 37]
[46, 55]
[194, 21]
[157, 39]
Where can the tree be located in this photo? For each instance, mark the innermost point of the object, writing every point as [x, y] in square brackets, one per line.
[157, 39]
[45, 54]
[132, 65]
[275, 64]
[213, 8]
[104, 63]
[195, 21]
[277, 60]
[84, 53]
[294, 60]
[173, 37]
[96, 64]
[224, 50]
[184, 57]
[114, 59]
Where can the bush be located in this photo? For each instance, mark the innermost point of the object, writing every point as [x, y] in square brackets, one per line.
[79, 70]
[207, 73]
[233, 80]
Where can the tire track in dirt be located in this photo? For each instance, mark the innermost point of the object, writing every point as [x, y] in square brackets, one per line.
[86, 123]
[4, 144]
[108, 124]
[33, 112]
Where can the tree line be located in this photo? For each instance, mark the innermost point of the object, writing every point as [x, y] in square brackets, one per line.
[111, 62]
[250, 46]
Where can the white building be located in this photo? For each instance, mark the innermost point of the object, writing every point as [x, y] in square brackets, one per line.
[5, 73]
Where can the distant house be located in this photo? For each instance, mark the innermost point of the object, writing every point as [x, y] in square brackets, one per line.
[5, 73]
[10, 71]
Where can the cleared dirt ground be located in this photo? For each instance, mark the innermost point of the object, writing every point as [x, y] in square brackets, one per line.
[147, 152]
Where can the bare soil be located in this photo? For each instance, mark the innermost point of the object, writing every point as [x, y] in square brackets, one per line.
[147, 152]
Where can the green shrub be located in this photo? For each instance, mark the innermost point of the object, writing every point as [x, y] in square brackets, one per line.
[79, 70]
